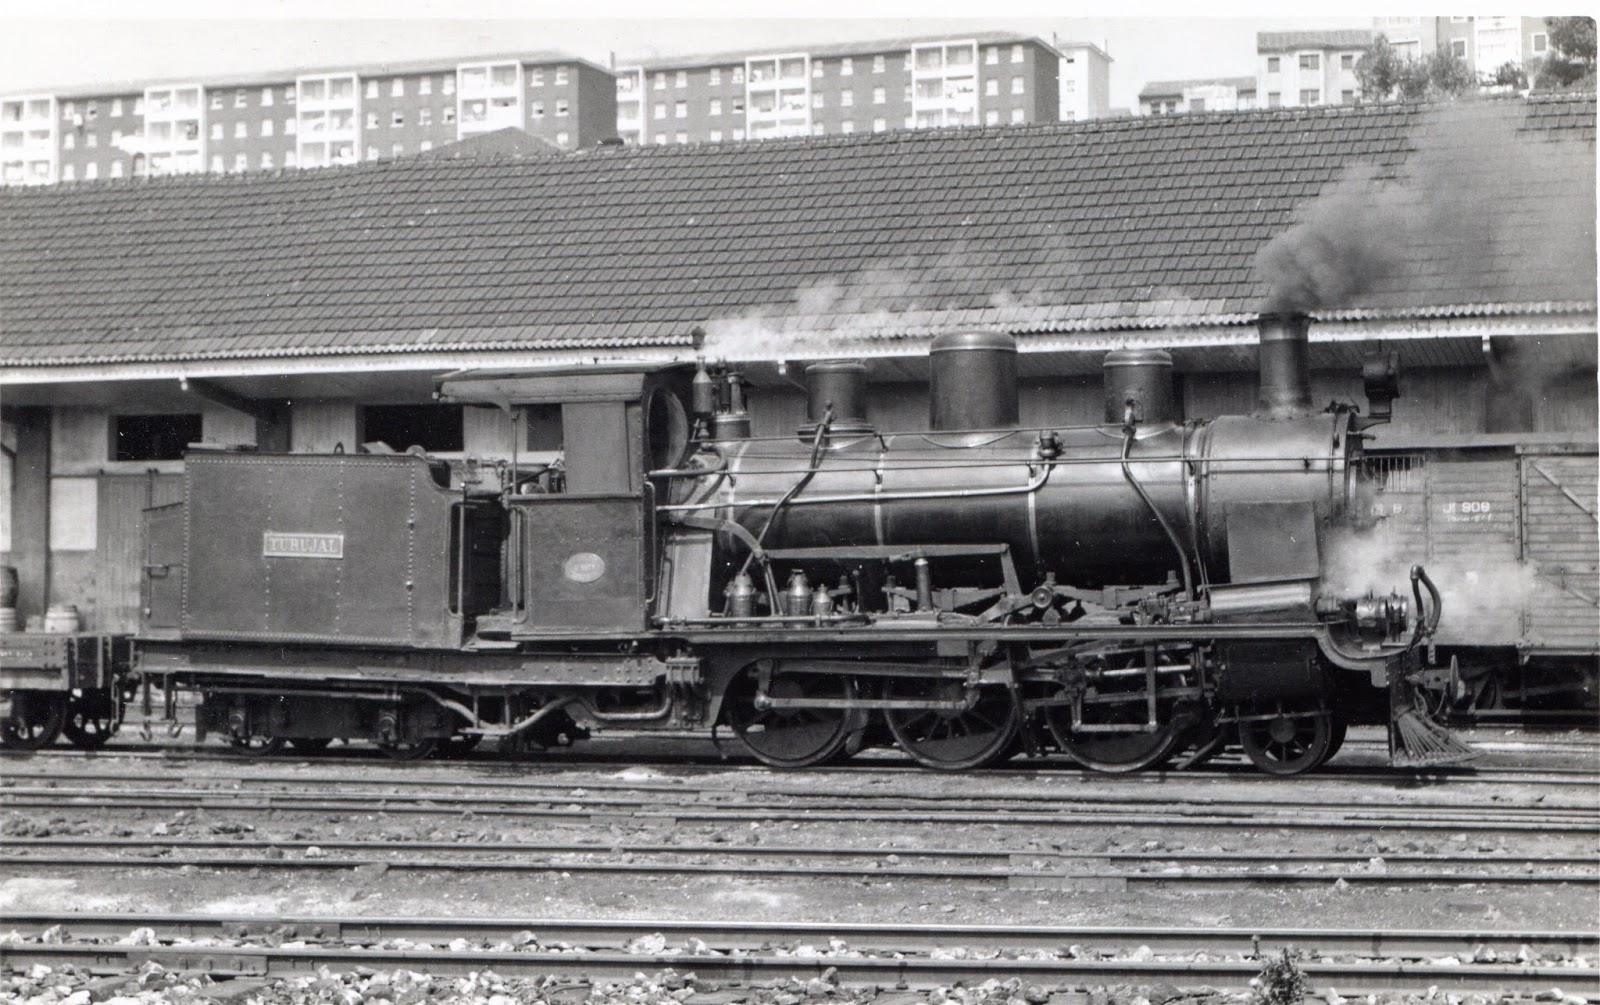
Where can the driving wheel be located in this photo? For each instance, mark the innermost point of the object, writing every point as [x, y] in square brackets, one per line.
[790, 737]
[953, 738]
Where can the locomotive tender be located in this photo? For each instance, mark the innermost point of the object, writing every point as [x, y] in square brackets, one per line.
[1128, 592]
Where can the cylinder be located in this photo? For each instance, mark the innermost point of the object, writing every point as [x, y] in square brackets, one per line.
[842, 385]
[974, 381]
[1140, 379]
[1285, 390]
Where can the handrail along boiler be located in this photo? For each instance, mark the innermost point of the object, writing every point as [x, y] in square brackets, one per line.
[1128, 592]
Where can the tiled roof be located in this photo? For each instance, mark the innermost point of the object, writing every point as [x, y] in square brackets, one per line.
[1335, 38]
[1398, 211]
[1167, 87]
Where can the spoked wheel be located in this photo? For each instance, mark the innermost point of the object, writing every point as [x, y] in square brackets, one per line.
[1287, 742]
[791, 737]
[35, 722]
[310, 744]
[409, 750]
[1340, 728]
[87, 728]
[952, 739]
[256, 746]
[1117, 696]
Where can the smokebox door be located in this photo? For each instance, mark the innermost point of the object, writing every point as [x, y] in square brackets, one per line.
[1272, 541]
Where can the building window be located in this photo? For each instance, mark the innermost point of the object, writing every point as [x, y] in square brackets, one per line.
[91, 171]
[716, 76]
[425, 85]
[1018, 116]
[1310, 96]
[372, 120]
[819, 129]
[1274, 64]
[661, 139]
[1274, 99]
[266, 127]
[447, 84]
[266, 97]
[878, 64]
[535, 78]
[847, 67]
[847, 126]
[241, 162]
[1347, 97]
[397, 88]
[239, 100]
[908, 92]
[116, 169]
[138, 106]
[397, 150]
[70, 140]
[660, 82]
[991, 87]
[372, 88]
[1540, 41]
[1347, 61]
[880, 125]
[69, 172]
[1458, 48]
[1197, 104]
[680, 137]
[288, 130]
[880, 96]
[737, 77]
[424, 115]
[216, 102]
[240, 130]
[738, 109]
[1016, 53]
[847, 98]
[561, 76]
[266, 162]
[397, 118]
[816, 100]
[562, 139]
[289, 159]
[116, 137]
[425, 146]
[716, 136]
[991, 117]
[1310, 61]
[681, 79]
[434, 428]
[562, 107]
[1016, 85]
[288, 99]
[715, 107]
[448, 116]
[216, 163]
[658, 110]
[153, 437]
[680, 109]
[372, 153]
[116, 103]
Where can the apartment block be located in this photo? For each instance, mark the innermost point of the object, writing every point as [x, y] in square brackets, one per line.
[1210, 94]
[299, 119]
[1296, 68]
[1484, 43]
[1085, 81]
[984, 79]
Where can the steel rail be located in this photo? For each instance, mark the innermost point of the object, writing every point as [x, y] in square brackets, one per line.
[1399, 819]
[1069, 877]
[749, 935]
[566, 795]
[876, 855]
[281, 961]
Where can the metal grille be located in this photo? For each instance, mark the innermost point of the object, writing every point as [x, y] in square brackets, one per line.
[1395, 472]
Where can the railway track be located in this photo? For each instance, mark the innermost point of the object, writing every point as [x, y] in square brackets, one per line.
[258, 949]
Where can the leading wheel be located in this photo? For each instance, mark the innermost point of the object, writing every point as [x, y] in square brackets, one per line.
[1286, 741]
[87, 728]
[790, 737]
[35, 722]
[952, 739]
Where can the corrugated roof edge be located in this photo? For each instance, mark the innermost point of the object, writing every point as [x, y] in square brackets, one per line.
[879, 333]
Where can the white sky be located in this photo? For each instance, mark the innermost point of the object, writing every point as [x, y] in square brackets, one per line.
[69, 43]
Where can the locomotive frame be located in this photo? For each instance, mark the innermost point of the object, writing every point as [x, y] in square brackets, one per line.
[307, 597]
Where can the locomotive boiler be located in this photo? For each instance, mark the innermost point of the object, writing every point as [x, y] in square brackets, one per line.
[1127, 592]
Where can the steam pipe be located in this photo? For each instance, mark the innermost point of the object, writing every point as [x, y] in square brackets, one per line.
[1177, 546]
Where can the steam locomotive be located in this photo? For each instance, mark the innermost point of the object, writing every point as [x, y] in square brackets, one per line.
[1129, 593]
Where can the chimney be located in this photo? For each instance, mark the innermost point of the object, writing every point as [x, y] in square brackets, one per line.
[974, 381]
[1285, 368]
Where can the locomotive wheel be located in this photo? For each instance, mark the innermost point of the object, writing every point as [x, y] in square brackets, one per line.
[1340, 728]
[36, 721]
[459, 745]
[88, 730]
[256, 746]
[791, 737]
[411, 750]
[951, 740]
[310, 744]
[1287, 744]
[1138, 748]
